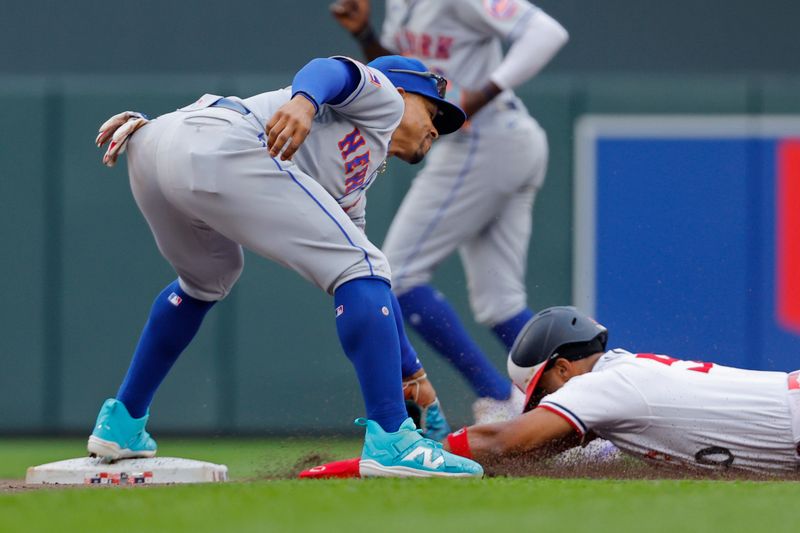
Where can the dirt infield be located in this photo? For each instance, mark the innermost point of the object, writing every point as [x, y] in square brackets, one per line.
[17, 485]
[622, 467]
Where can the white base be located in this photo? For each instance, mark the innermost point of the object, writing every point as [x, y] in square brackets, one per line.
[150, 471]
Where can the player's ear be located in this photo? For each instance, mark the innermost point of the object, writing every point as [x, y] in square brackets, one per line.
[401, 91]
[563, 368]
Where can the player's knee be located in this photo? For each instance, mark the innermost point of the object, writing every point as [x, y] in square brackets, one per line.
[373, 265]
[231, 275]
[215, 283]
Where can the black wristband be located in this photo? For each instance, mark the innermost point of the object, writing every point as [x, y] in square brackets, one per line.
[365, 36]
[490, 90]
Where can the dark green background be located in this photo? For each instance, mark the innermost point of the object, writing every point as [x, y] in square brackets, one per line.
[79, 268]
[168, 36]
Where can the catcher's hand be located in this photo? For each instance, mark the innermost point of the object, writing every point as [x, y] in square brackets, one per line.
[118, 129]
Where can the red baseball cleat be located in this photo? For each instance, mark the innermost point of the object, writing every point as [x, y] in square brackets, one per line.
[337, 469]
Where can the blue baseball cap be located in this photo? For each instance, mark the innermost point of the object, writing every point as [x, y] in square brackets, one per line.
[414, 77]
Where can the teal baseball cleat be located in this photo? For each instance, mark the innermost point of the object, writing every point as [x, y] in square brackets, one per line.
[405, 453]
[117, 435]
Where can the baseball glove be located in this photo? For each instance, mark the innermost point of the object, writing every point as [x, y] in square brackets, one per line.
[118, 129]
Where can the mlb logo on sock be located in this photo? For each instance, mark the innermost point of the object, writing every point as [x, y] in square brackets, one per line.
[174, 299]
[339, 310]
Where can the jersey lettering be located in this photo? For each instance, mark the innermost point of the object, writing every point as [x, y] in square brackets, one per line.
[355, 181]
[358, 161]
[355, 168]
[701, 367]
[350, 143]
[424, 45]
[443, 45]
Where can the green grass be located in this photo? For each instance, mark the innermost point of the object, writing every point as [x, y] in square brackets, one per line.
[499, 504]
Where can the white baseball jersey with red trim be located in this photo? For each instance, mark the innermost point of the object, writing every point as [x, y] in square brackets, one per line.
[686, 412]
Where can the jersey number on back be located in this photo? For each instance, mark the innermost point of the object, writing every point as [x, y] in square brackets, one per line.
[697, 366]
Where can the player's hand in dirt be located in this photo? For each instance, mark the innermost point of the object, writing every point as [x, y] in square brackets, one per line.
[289, 127]
[352, 15]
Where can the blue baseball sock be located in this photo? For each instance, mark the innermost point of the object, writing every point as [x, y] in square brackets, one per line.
[369, 337]
[436, 321]
[174, 320]
[408, 355]
[507, 331]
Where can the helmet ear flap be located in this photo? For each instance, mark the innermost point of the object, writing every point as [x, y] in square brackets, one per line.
[553, 332]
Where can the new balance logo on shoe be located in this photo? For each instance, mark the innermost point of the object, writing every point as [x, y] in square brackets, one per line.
[427, 458]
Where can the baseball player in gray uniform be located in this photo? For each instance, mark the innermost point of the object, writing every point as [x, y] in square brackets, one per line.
[283, 173]
[477, 189]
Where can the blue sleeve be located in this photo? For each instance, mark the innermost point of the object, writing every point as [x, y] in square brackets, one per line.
[326, 81]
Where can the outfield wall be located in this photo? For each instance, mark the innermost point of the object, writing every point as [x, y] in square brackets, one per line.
[167, 36]
[80, 268]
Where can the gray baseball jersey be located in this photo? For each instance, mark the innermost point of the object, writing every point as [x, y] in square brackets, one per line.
[204, 180]
[477, 189]
[461, 39]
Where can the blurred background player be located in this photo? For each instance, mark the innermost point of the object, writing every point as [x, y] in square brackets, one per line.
[477, 189]
[210, 180]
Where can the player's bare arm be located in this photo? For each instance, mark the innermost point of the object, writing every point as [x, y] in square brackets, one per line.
[289, 126]
[353, 15]
[533, 436]
[501, 448]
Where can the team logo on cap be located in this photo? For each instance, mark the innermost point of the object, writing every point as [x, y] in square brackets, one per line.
[501, 9]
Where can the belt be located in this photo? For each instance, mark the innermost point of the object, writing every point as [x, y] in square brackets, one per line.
[227, 103]
[506, 105]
